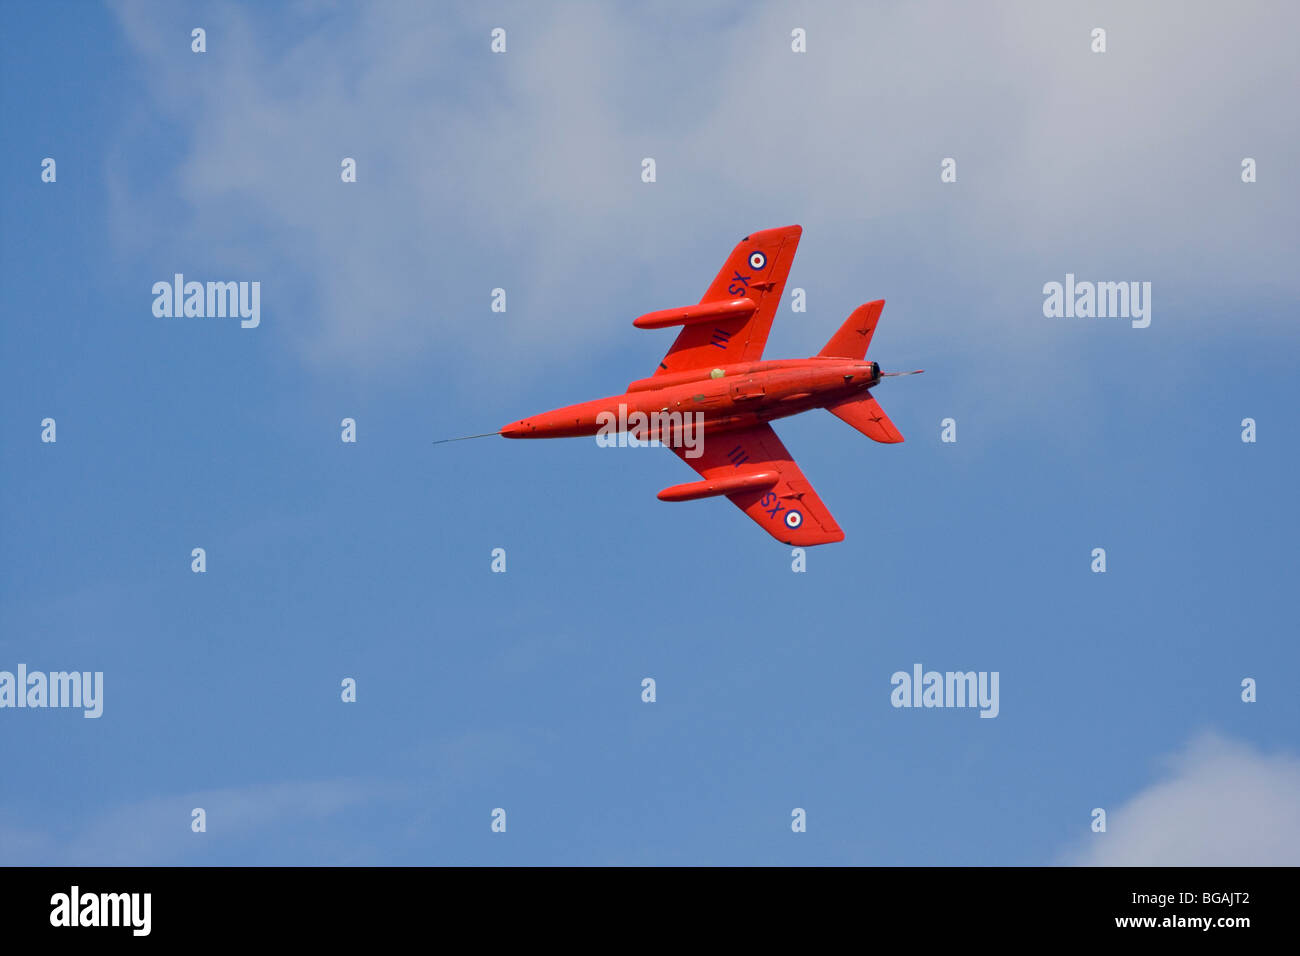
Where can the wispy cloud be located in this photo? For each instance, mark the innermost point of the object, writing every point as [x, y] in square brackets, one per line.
[522, 170]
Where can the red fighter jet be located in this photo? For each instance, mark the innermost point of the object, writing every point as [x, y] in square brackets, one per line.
[714, 374]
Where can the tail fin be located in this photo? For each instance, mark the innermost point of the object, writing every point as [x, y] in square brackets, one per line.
[865, 414]
[854, 336]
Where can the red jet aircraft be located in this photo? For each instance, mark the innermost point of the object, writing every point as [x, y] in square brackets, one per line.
[715, 368]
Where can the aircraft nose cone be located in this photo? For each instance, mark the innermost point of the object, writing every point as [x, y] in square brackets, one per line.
[514, 430]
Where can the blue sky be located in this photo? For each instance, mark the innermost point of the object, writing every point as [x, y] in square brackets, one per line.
[523, 690]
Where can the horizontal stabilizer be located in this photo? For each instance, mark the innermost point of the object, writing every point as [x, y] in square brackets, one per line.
[854, 336]
[866, 415]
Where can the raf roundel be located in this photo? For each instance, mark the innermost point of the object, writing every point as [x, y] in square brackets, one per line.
[757, 260]
[793, 519]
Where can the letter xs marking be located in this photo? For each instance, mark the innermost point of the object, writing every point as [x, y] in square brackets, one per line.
[771, 504]
[739, 284]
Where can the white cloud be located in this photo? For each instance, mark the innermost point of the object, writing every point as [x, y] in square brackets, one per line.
[1222, 803]
[522, 170]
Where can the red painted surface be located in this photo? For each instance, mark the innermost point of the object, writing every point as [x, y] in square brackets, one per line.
[694, 314]
[728, 485]
[714, 374]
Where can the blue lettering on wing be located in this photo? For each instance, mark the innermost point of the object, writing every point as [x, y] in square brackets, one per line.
[771, 504]
[739, 284]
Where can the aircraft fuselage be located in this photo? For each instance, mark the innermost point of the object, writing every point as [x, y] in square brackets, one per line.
[728, 396]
